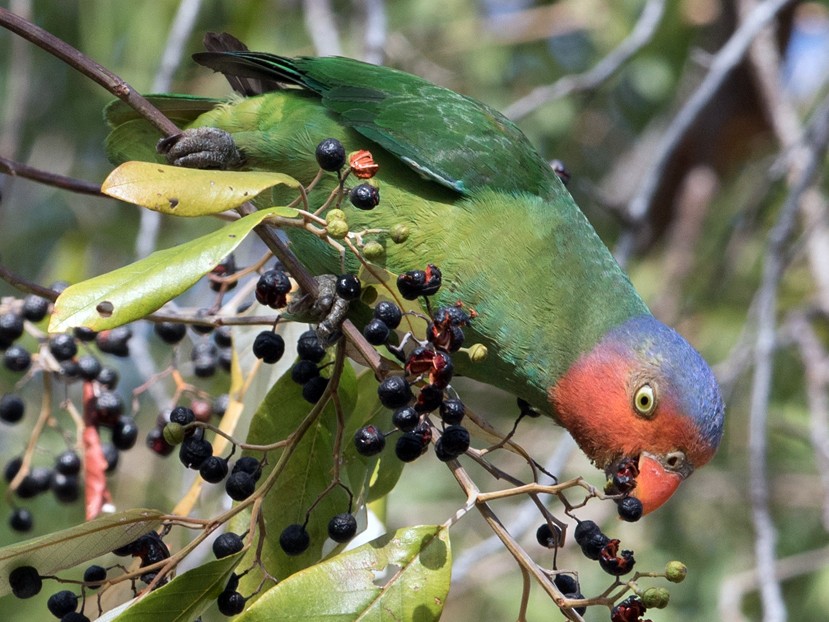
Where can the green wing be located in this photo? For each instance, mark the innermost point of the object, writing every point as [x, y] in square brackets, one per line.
[452, 139]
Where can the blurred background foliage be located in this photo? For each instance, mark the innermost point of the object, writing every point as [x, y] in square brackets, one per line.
[697, 258]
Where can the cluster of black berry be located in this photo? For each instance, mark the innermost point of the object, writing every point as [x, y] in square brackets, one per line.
[331, 157]
[597, 546]
[150, 549]
[306, 371]
[622, 483]
[26, 582]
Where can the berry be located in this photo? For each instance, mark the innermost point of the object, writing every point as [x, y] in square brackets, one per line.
[108, 377]
[111, 455]
[308, 347]
[416, 283]
[114, 341]
[89, 367]
[205, 328]
[125, 433]
[348, 287]
[240, 486]
[369, 441]
[36, 482]
[94, 574]
[74, 616]
[566, 583]
[268, 346]
[230, 603]
[17, 359]
[194, 451]
[549, 538]
[11, 327]
[227, 544]
[584, 530]
[303, 371]
[364, 196]
[334, 214]
[337, 229]
[399, 233]
[12, 468]
[675, 571]
[224, 269]
[455, 439]
[272, 289]
[61, 603]
[82, 333]
[205, 366]
[313, 389]
[35, 308]
[249, 465]
[157, 443]
[342, 527]
[173, 433]
[452, 411]
[630, 509]
[594, 544]
[576, 596]
[25, 582]
[629, 610]
[170, 332]
[213, 470]
[63, 346]
[203, 349]
[223, 337]
[376, 332]
[409, 447]
[430, 398]
[656, 598]
[389, 313]
[373, 250]
[182, 415]
[615, 562]
[330, 155]
[405, 419]
[108, 407]
[220, 404]
[65, 487]
[362, 164]
[294, 539]
[394, 392]
[21, 520]
[225, 359]
[12, 408]
[68, 463]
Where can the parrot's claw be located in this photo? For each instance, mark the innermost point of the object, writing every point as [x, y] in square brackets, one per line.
[328, 309]
[201, 147]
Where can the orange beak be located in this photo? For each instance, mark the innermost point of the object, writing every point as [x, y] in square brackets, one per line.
[654, 484]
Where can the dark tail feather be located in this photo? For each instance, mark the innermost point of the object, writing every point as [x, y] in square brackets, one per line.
[249, 73]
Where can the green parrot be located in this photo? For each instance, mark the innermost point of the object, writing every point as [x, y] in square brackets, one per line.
[564, 327]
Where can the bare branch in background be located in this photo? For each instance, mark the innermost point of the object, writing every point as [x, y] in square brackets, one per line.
[729, 56]
[322, 27]
[17, 87]
[641, 34]
[375, 31]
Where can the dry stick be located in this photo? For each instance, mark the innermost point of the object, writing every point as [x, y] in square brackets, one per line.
[641, 34]
[18, 169]
[729, 56]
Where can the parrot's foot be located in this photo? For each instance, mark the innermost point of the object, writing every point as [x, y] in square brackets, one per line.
[327, 309]
[201, 147]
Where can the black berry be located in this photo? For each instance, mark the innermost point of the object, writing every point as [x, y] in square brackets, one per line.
[12, 468]
[17, 359]
[220, 404]
[108, 377]
[205, 328]
[170, 332]
[630, 509]
[156, 442]
[25, 582]
[348, 287]
[194, 451]
[74, 616]
[108, 407]
[82, 333]
[268, 346]
[308, 347]
[584, 530]
[303, 371]
[455, 439]
[364, 196]
[94, 575]
[11, 327]
[213, 470]
[111, 455]
[405, 418]
[409, 447]
[249, 465]
[616, 562]
[369, 441]
[230, 603]
[389, 313]
[566, 583]
[65, 487]
[89, 367]
[593, 545]
[61, 603]
[182, 415]
[125, 433]
[394, 392]
[223, 337]
[68, 463]
[12, 408]
[330, 155]
[272, 289]
[227, 544]
[342, 527]
[430, 398]
[452, 411]
[294, 539]
[114, 341]
[63, 346]
[376, 332]
[21, 520]
[240, 486]
[415, 283]
[547, 537]
[35, 308]
[313, 389]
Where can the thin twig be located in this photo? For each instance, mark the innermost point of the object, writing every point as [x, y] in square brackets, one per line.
[590, 80]
[18, 169]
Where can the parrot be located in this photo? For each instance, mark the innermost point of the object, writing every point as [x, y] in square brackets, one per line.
[563, 325]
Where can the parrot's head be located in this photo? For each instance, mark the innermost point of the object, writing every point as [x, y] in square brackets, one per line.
[643, 394]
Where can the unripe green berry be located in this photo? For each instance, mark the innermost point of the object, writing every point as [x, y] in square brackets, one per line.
[337, 229]
[399, 233]
[656, 598]
[675, 571]
[334, 214]
[173, 433]
[477, 352]
[373, 250]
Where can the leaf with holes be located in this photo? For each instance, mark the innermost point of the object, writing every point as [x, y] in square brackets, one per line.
[136, 290]
[182, 191]
[73, 546]
[399, 576]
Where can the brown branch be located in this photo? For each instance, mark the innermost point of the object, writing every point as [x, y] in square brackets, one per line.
[18, 169]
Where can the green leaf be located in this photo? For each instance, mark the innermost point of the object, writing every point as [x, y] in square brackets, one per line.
[131, 292]
[417, 562]
[180, 191]
[184, 598]
[306, 474]
[70, 547]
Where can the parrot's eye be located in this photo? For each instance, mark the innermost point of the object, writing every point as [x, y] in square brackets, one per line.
[644, 401]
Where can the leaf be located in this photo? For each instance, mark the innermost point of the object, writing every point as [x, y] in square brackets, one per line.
[184, 598]
[180, 191]
[131, 292]
[417, 563]
[70, 547]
